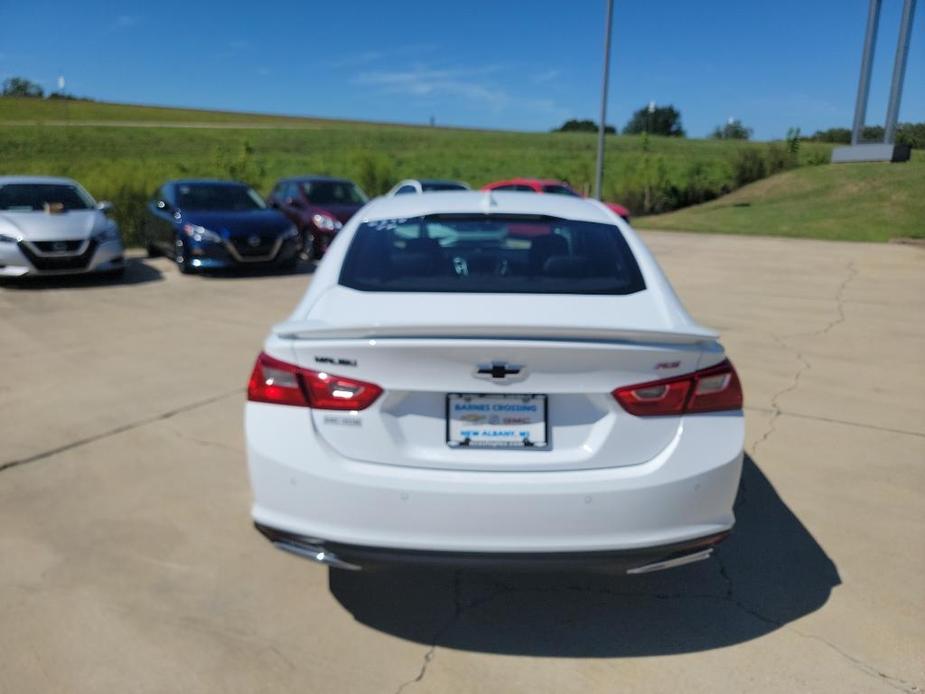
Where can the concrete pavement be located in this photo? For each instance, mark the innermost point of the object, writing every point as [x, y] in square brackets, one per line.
[127, 561]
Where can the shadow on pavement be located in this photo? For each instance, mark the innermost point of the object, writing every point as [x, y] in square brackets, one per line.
[768, 573]
[137, 271]
[243, 272]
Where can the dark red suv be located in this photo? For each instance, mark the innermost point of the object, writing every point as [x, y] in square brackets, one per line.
[319, 206]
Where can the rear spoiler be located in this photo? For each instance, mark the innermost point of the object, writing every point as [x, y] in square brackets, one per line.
[319, 330]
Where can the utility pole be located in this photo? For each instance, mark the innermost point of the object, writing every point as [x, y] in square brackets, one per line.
[599, 178]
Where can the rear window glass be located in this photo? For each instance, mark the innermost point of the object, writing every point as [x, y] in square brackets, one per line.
[490, 254]
[556, 189]
[437, 186]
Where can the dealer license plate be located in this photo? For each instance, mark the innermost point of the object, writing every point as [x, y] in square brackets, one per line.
[496, 421]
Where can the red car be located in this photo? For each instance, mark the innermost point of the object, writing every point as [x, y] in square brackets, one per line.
[548, 185]
[319, 206]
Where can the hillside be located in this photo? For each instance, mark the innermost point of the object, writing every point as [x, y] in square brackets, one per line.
[858, 202]
[66, 111]
[122, 153]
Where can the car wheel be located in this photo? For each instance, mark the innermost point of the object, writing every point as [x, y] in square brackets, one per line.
[181, 257]
[308, 245]
[318, 248]
[153, 251]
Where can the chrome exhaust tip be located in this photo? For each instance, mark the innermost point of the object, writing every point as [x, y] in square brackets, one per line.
[315, 553]
[673, 562]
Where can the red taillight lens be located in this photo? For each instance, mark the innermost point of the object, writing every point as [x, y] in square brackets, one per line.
[327, 392]
[280, 383]
[276, 382]
[716, 388]
[708, 390]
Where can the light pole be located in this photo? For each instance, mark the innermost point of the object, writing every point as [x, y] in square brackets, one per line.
[599, 177]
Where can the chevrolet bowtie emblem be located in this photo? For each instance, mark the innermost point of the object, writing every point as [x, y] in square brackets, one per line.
[500, 371]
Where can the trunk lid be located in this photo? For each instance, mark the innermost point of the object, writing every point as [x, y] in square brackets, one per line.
[435, 345]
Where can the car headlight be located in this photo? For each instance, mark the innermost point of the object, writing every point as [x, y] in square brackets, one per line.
[323, 221]
[6, 238]
[110, 233]
[200, 234]
[290, 233]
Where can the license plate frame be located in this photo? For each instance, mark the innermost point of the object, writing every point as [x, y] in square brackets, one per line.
[456, 428]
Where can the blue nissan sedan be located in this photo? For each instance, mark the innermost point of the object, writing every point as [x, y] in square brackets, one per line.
[212, 224]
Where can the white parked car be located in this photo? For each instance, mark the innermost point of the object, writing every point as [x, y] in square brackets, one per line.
[53, 226]
[500, 378]
[425, 185]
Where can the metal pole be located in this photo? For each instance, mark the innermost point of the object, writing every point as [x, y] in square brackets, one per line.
[599, 178]
[899, 72]
[867, 62]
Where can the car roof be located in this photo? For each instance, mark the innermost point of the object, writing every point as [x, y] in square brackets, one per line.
[209, 181]
[487, 202]
[540, 181]
[313, 177]
[60, 180]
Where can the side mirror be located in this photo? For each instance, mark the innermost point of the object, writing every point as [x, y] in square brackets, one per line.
[104, 206]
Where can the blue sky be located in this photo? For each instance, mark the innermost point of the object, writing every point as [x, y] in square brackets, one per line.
[511, 65]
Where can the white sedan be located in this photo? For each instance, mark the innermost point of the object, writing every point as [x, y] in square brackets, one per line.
[52, 226]
[425, 185]
[493, 378]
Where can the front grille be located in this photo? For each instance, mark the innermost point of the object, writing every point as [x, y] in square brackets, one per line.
[60, 262]
[266, 249]
[70, 246]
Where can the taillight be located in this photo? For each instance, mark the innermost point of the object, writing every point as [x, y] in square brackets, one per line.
[709, 390]
[280, 383]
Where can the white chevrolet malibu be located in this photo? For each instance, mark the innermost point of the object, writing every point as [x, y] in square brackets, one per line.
[51, 226]
[493, 379]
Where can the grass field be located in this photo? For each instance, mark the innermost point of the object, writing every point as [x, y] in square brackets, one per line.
[121, 152]
[857, 202]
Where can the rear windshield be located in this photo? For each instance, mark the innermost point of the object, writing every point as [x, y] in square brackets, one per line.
[333, 193]
[218, 197]
[498, 254]
[557, 189]
[35, 197]
[437, 186]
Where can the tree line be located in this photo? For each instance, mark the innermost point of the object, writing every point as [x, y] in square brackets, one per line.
[21, 87]
[666, 121]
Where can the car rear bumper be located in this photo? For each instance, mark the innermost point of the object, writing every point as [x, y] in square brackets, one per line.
[17, 260]
[354, 557]
[304, 488]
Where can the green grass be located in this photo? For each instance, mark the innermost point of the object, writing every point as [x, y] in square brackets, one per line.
[854, 202]
[126, 164]
[64, 110]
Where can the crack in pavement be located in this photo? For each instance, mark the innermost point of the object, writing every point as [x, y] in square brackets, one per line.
[805, 366]
[458, 609]
[832, 420]
[118, 430]
[728, 595]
